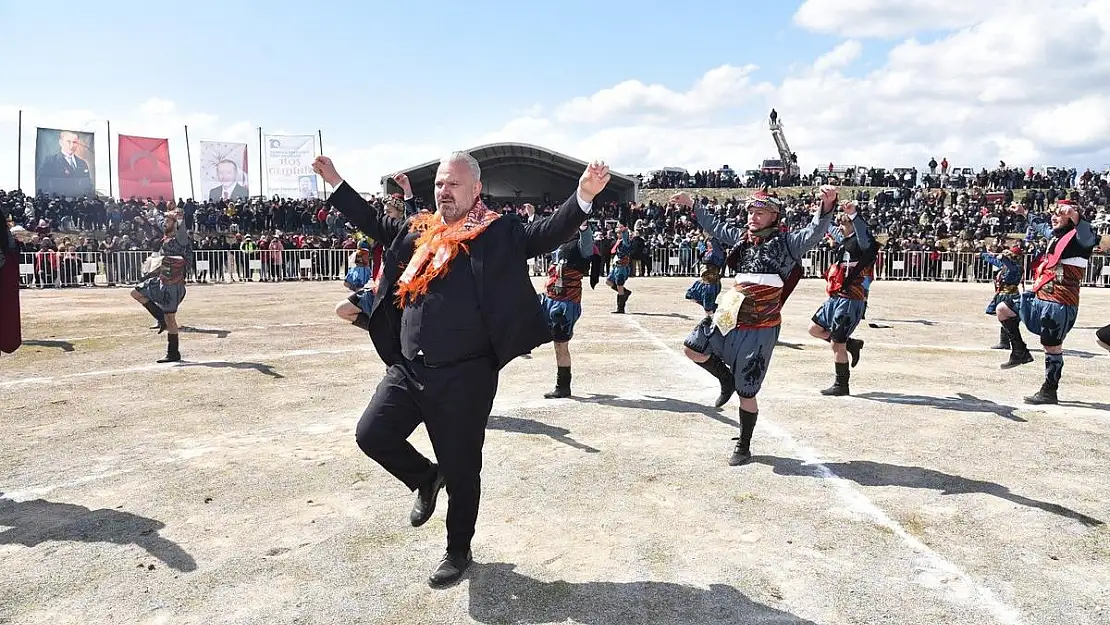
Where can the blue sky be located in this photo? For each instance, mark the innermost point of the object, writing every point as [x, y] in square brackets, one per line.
[391, 84]
[346, 67]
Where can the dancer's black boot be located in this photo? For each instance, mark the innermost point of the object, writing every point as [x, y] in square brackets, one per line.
[172, 352]
[562, 384]
[742, 454]
[1053, 369]
[840, 387]
[720, 370]
[1019, 351]
[854, 346]
[156, 312]
[362, 321]
[1003, 340]
[622, 299]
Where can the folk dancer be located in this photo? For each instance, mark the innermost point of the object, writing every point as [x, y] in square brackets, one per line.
[163, 288]
[622, 268]
[562, 299]
[735, 345]
[1050, 307]
[705, 290]
[363, 279]
[848, 283]
[454, 305]
[1005, 304]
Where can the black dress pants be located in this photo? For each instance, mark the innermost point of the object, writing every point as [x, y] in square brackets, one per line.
[454, 403]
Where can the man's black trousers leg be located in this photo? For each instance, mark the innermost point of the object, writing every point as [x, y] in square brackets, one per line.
[383, 431]
[456, 402]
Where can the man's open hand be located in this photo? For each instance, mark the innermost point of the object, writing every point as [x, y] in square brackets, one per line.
[593, 180]
[326, 170]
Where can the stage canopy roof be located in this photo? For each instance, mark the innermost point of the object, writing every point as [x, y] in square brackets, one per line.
[520, 171]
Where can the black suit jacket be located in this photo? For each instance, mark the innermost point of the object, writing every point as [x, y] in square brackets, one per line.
[511, 311]
[238, 192]
[56, 176]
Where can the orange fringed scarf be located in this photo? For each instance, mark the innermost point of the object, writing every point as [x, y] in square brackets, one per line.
[439, 243]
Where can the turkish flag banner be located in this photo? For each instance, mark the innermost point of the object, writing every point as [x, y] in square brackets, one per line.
[144, 168]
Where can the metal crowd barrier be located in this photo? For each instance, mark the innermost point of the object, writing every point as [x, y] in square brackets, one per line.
[47, 269]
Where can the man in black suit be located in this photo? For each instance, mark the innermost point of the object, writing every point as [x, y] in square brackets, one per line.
[448, 315]
[227, 172]
[65, 173]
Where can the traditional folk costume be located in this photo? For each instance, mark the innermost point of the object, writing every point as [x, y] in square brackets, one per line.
[363, 279]
[741, 335]
[366, 290]
[562, 297]
[706, 289]
[1007, 278]
[1050, 307]
[622, 267]
[848, 281]
[164, 289]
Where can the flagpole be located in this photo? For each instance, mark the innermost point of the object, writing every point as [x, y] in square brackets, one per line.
[189, 157]
[261, 163]
[111, 189]
[320, 135]
[19, 155]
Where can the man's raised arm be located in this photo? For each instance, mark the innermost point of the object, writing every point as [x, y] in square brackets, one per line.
[713, 226]
[544, 235]
[803, 240]
[354, 208]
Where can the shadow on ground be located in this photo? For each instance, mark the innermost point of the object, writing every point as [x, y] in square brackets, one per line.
[668, 315]
[518, 425]
[665, 404]
[868, 473]
[962, 402]
[38, 521]
[1089, 405]
[498, 594]
[220, 334]
[65, 346]
[924, 322]
[222, 364]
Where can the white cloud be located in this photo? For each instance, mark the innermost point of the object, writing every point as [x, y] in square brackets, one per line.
[892, 18]
[721, 87]
[1027, 87]
[841, 56]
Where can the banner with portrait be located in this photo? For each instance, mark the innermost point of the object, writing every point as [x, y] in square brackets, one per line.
[223, 171]
[144, 168]
[65, 163]
[289, 166]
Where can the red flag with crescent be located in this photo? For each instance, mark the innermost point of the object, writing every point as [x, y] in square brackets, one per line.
[144, 168]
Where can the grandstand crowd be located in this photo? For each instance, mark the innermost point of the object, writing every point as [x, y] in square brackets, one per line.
[946, 211]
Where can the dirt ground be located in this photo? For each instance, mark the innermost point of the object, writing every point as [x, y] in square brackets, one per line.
[228, 489]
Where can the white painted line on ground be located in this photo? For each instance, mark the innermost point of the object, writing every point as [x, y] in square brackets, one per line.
[856, 501]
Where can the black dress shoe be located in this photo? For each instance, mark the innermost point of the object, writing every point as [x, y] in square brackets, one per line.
[426, 497]
[450, 570]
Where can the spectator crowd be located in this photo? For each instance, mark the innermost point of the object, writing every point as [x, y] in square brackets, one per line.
[948, 210]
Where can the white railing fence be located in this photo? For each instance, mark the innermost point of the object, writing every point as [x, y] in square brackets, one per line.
[52, 269]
